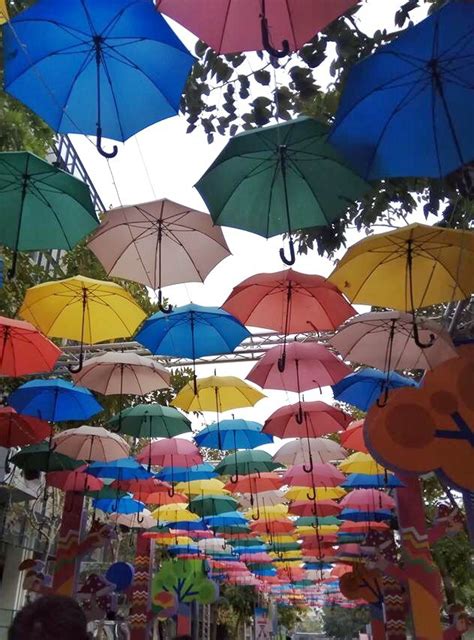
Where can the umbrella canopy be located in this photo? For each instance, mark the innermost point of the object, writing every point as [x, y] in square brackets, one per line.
[205, 487]
[310, 419]
[385, 340]
[125, 505]
[361, 463]
[353, 437]
[105, 51]
[408, 268]
[122, 373]
[54, 400]
[264, 498]
[368, 500]
[372, 481]
[365, 387]
[323, 474]
[158, 244]
[43, 207]
[40, 457]
[309, 451]
[307, 508]
[212, 505]
[289, 302]
[24, 350]
[91, 444]
[256, 483]
[170, 452]
[418, 126]
[150, 421]
[308, 365]
[232, 434]
[233, 28]
[76, 480]
[133, 520]
[217, 393]
[322, 493]
[280, 178]
[120, 469]
[175, 513]
[201, 471]
[246, 463]
[17, 430]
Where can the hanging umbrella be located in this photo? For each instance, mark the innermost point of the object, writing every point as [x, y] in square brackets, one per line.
[54, 400]
[408, 268]
[372, 481]
[192, 332]
[124, 505]
[322, 493]
[161, 499]
[24, 350]
[170, 452]
[262, 498]
[17, 430]
[133, 520]
[232, 434]
[212, 505]
[306, 365]
[201, 471]
[255, 25]
[323, 474]
[405, 109]
[76, 480]
[158, 244]
[353, 437]
[318, 419]
[278, 179]
[385, 340]
[174, 513]
[120, 469]
[79, 65]
[91, 444]
[217, 393]
[361, 463]
[256, 483]
[356, 515]
[39, 457]
[225, 519]
[82, 309]
[118, 373]
[246, 462]
[204, 487]
[305, 508]
[368, 500]
[367, 387]
[309, 451]
[150, 421]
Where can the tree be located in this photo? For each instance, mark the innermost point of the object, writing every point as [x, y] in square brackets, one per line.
[236, 608]
[344, 624]
[290, 616]
[222, 97]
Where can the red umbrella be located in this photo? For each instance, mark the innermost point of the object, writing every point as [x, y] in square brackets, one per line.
[255, 483]
[143, 486]
[367, 500]
[24, 350]
[362, 527]
[170, 452]
[353, 437]
[306, 508]
[160, 498]
[17, 430]
[76, 480]
[322, 475]
[275, 527]
[318, 418]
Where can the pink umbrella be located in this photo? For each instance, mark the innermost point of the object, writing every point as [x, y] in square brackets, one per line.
[230, 26]
[306, 508]
[309, 451]
[76, 480]
[308, 365]
[323, 474]
[158, 244]
[170, 452]
[122, 373]
[384, 339]
[367, 500]
[91, 444]
[318, 417]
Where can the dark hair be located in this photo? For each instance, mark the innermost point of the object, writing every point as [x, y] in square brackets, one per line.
[50, 618]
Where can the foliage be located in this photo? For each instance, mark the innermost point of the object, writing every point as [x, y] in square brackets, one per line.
[344, 624]
[290, 617]
[236, 607]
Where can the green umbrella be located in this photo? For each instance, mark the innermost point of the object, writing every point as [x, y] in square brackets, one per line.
[107, 493]
[245, 542]
[278, 179]
[245, 462]
[280, 547]
[309, 521]
[40, 457]
[150, 421]
[42, 207]
[212, 505]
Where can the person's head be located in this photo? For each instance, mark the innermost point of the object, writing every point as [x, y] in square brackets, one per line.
[50, 618]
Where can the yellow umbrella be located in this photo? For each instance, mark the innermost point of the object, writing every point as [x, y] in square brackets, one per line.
[174, 513]
[82, 309]
[280, 538]
[217, 393]
[361, 463]
[322, 493]
[273, 512]
[322, 530]
[415, 266]
[3, 12]
[211, 486]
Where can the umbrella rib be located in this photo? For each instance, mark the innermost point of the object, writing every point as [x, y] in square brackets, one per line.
[112, 92]
[270, 195]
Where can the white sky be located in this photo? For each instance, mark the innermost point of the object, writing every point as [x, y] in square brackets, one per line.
[164, 161]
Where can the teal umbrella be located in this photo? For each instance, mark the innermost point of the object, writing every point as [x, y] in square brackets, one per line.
[278, 179]
[212, 505]
[150, 421]
[42, 207]
[40, 457]
[246, 462]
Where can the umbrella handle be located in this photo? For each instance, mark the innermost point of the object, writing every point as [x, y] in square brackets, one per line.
[292, 259]
[282, 361]
[311, 465]
[98, 144]
[79, 367]
[311, 496]
[161, 306]
[381, 403]
[171, 491]
[416, 338]
[299, 416]
[256, 517]
[234, 479]
[140, 518]
[266, 42]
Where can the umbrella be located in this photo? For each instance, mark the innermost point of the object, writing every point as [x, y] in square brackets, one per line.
[256, 483]
[75, 480]
[225, 519]
[263, 498]
[306, 365]
[361, 463]
[125, 505]
[372, 481]
[95, 55]
[405, 109]
[323, 474]
[43, 207]
[355, 515]
[385, 340]
[306, 508]
[91, 444]
[150, 421]
[245, 463]
[39, 457]
[54, 400]
[212, 505]
[120, 469]
[309, 451]
[232, 434]
[368, 500]
[158, 244]
[17, 430]
[278, 179]
[204, 487]
[82, 309]
[170, 452]
[201, 471]
[407, 268]
[160, 498]
[318, 417]
[191, 332]
[322, 493]
[122, 373]
[254, 25]
[367, 387]
[175, 513]
[353, 437]
[24, 350]
[134, 520]
[217, 393]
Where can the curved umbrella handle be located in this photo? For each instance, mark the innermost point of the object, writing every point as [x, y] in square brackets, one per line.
[381, 403]
[161, 306]
[266, 42]
[312, 496]
[416, 338]
[98, 144]
[292, 259]
[171, 491]
[299, 417]
[79, 367]
[140, 518]
[234, 479]
[311, 465]
[117, 429]
[256, 517]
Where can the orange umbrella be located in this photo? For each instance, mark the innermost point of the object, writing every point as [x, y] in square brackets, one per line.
[353, 437]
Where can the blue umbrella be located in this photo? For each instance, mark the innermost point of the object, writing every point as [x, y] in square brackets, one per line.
[226, 519]
[96, 67]
[125, 505]
[202, 471]
[54, 400]
[232, 434]
[366, 481]
[363, 388]
[123, 469]
[197, 525]
[354, 515]
[407, 109]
